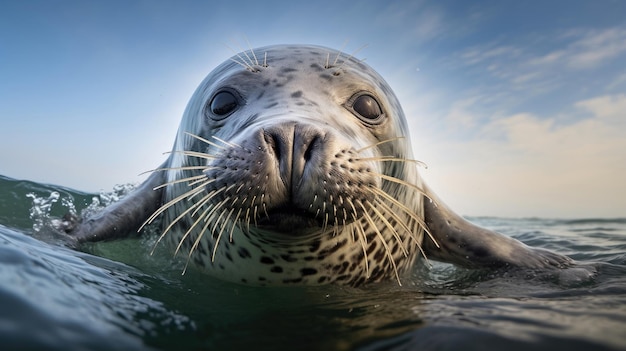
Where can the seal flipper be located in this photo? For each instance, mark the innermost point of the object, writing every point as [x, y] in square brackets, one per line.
[123, 217]
[468, 245]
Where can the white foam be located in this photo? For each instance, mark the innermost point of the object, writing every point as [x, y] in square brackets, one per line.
[41, 209]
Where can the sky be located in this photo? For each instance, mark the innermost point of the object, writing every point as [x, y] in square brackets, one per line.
[517, 107]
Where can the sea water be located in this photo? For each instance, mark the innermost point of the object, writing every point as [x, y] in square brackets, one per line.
[118, 296]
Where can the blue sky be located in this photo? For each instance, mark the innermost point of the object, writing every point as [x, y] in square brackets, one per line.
[518, 108]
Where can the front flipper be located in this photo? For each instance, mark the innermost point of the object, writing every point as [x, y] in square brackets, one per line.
[123, 217]
[468, 245]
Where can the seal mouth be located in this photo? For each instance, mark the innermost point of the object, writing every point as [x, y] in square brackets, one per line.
[288, 219]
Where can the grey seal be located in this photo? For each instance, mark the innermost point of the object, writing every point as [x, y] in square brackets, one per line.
[293, 165]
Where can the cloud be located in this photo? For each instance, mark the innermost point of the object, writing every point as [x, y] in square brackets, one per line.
[531, 62]
[582, 49]
[529, 165]
[488, 52]
[617, 81]
[594, 47]
[576, 49]
[611, 109]
[419, 20]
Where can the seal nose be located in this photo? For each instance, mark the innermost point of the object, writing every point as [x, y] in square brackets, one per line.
[294, 147]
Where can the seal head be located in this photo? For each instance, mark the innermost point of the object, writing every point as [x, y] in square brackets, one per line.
[305, 157]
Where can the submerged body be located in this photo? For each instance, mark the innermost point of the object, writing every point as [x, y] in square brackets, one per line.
[297, 169]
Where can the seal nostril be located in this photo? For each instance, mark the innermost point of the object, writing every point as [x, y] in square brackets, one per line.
[273, 144]
[277, 147]
[308, 153]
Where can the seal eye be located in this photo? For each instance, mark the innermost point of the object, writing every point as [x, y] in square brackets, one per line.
[223, 103]
[367, 108]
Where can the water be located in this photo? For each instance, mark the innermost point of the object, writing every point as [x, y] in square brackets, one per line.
[116, 296]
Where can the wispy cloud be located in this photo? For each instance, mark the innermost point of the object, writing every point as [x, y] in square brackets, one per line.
[619, 80]
[489, 52]
[420, 21]
[576, 48]
[534, 62]
[594, 47]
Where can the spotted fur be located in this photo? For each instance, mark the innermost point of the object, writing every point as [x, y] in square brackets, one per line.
[227, 192]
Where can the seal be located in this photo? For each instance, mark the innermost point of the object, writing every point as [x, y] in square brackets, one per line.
[294, 166]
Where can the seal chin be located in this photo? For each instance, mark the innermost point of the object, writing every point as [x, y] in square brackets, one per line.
[289, 220]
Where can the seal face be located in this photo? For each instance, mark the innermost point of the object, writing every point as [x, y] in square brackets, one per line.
[296, 170]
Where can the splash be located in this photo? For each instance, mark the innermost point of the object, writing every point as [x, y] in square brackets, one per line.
[43, 207]
[104, 199]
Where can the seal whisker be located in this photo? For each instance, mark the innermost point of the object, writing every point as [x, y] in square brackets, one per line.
[196, 242]
[194, 154]
[350, 56]
[219, 218]
[363, 240]
[196, 206]
[232, 228]
[406, 210]
[340, 51]
[201, 182]
[335, 226]
[188, 232]
[169, 204]
[252, 51]
[247, 219]
[207, 141]
[191, 197]
[185, 168]
[393, 230]
[255, 215]
[209, 217]
[392, 159]
[361, 235]
[235, 199]
[254, 212]
[250, 61]
[389, 211]
[264, 206]
[382, 240]
[243, 62]
[401, 182]
[325, 226]
[225, 142]
[192, 181]
[379, 143]
[239, 63]
[219, 236]
[225, 222]
[208, 222]
[209, 197]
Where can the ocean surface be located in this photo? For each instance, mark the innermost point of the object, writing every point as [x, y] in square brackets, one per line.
[117, 296]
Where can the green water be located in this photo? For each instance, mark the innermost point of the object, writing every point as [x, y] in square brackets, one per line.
[116, 296]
